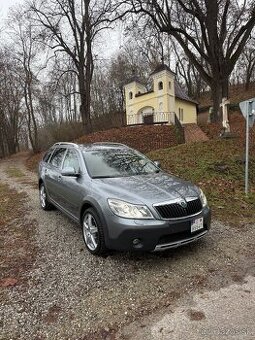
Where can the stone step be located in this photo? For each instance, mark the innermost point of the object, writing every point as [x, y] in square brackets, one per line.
[193, 133]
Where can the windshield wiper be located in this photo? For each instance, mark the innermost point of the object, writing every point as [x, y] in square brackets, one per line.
[95, 177]
[117, 176]
[103, 176]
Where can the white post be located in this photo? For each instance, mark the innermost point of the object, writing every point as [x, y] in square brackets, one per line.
[247, 151]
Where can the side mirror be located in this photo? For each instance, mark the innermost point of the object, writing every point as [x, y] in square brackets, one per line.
[70, 172]
[157, 163]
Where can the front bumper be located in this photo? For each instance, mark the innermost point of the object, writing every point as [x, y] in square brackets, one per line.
[153, 235]
[181, 242]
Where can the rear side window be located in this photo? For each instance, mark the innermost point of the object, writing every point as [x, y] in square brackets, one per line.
[57, 157]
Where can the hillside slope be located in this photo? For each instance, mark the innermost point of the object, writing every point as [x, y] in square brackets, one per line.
[217, 167]
[238, 128]
[143, 138]
[237, 93]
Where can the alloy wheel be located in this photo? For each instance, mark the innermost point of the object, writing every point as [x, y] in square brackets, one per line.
[90, 231]
[43, 196]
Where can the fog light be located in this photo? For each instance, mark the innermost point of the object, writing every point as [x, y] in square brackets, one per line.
[136, 241]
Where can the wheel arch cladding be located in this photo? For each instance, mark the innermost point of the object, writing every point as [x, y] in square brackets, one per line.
[94, 205]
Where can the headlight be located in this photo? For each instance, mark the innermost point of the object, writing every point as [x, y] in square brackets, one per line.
[203, 198]
[128, 210]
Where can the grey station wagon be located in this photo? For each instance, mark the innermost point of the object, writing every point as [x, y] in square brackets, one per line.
[122, 199]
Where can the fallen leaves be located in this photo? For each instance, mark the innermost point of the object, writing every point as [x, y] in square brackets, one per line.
[17, 251]
[8, 282]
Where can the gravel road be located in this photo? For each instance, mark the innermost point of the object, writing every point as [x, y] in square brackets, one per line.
[71, 294]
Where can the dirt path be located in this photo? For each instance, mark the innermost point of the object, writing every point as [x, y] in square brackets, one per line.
[70, 294]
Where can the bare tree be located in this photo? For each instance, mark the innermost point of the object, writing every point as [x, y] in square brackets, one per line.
[58, 100]
[215, 31]
[247, 63]
[72, 27]
[187, 73]
[64, 85]
[25, 53]
[153, 45]
[11, 94]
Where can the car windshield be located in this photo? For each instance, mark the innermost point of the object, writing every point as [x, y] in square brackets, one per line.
[108, 163]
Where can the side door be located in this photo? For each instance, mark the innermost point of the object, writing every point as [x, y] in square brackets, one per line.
[53, 174]
[73, 188]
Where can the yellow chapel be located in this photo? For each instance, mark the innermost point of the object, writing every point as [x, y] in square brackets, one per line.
[162, 103]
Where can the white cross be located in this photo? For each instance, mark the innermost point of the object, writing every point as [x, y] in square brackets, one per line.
[225, 122]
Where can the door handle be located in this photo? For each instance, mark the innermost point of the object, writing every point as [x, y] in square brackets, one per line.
[59, 178]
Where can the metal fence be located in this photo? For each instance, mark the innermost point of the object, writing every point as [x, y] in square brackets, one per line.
[151, 118]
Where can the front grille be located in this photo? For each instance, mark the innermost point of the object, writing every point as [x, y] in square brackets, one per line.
[175, 210]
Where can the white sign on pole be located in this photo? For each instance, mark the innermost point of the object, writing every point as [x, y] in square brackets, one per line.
[250, 104]
[248, 110]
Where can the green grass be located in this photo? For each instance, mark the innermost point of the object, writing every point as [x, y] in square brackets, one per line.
[14, 172]
[217, 167]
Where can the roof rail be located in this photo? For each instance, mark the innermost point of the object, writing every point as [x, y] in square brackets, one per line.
[65, 143]
[109, 143]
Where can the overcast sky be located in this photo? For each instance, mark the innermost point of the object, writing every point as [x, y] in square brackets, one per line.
[5, 5]
[109, 43]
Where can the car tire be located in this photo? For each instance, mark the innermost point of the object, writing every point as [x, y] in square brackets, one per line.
[45, 204]
[93, 232]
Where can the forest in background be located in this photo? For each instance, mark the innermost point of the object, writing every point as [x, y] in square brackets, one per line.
[57, 84]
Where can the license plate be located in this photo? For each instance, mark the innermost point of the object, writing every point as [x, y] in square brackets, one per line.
[197, 224]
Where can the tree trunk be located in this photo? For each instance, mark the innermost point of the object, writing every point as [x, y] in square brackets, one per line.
[35, 131]
[216, 99]
[85, 104]
[88, 67]
[248, 77]
[28, 118]
[225, 88]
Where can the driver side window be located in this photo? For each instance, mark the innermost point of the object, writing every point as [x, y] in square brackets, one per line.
[71, 160]
[57, 157]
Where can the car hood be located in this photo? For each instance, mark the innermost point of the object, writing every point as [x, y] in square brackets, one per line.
[148, 189]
